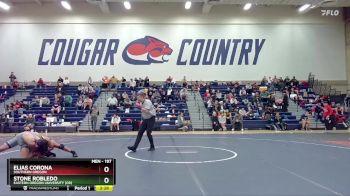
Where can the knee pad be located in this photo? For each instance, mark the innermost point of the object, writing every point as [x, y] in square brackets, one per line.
[61, 146]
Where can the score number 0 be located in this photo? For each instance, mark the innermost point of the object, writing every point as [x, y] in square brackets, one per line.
[106, 170]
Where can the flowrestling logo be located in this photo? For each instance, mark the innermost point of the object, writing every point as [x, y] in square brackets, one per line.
[330, 12]
[147, 50]
[150, 50]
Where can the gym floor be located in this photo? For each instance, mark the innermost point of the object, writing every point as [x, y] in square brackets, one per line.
[288, 163]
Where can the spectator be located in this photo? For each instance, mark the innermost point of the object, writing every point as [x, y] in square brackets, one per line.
[115, 121]
[15, 84]
[94, 113]
[216, 124]
[80, 89]
[97, 91]
[181, 122]
[87, 103]
[238, 122]
[127, 105]
[56, 108]
[183, 94]
[222, 121]
[66, 81]
[113, 82]
[68, 99]
[59, 81]
[123, 82]
[90, 82]
[80, 103]
[30, 119]
[12, 78]
[280, 125]
[105, 82]
[35, 101]
[305, 121]
[40, 83]
[146, 82]
[132, 85]
[44, 101]
[112, 102]
[285, 102]
[228, 116]
[184, 82]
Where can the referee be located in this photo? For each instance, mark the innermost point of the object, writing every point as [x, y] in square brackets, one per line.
[148, 113]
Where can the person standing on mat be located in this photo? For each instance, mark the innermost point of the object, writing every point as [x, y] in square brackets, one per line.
[148, 113]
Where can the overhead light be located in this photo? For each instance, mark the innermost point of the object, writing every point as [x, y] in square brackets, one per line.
[127, 5]
[188, 5]
[247, 6]
[4, 6]
[304, 7]
[313, 6]
[66, 5]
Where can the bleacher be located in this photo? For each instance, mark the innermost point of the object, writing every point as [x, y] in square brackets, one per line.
[6, 93]
[309, 94]
[135, 114]
[69, 114]
[255, 123]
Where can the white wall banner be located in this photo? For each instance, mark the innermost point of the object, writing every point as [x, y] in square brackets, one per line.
[199, 52]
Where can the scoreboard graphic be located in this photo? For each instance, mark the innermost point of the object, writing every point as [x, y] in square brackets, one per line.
[97, 174]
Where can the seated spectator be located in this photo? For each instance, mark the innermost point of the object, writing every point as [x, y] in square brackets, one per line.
[105, 82]
[112, 102]
[113, 82]
[222, 121]
[80, 103]
[237, 122]
[339, 109]
[87, 103]
[44, 101]
[182, 123]
[228, 116]
[35, 101]
[115, 121]
[125, 95]
[305, 121]
[218, 95]
[132, 85]
[280, 125]
[40, 83]
[60, 81]
[127, 104]
[207, 95]
[30, 119]
[66, 81]
[41, 120]
[56, 108]
[123, 82]
[242, 112]
[80, 89]
[68, 99]
[15, 84]
[215, 120]
[59, 98]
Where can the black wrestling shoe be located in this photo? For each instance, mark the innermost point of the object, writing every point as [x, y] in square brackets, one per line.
[74, 153]
[152, 148]
[132, 148]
